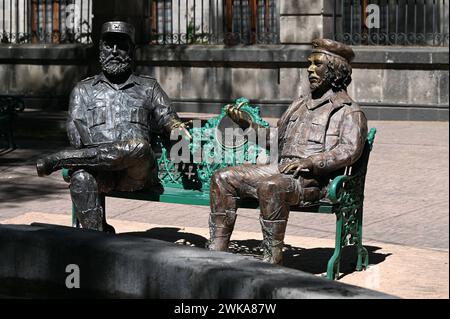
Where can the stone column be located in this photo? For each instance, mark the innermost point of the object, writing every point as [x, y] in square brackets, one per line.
[305, 20]
[131, 11]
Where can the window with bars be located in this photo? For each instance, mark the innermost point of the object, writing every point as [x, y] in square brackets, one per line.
[45, 21]
[401, 22]
[212, 21]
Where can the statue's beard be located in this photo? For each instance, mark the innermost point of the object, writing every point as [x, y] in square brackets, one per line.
[115, 65]
[322, 84]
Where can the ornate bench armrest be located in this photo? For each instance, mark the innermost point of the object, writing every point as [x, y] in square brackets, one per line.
[335, 188]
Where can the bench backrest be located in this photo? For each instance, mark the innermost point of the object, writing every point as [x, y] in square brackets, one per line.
[197, 174]
[352, 194]
[359, 168]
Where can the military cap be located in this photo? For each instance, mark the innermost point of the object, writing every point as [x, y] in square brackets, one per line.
[333, 48]
[119, 27]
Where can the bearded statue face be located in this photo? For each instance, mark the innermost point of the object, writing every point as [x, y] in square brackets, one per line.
[116, 52]
[320, 77]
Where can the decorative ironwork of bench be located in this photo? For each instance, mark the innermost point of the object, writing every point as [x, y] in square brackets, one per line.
[9, 107]
[189, 184]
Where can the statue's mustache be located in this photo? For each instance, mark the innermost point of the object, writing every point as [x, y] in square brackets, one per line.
[117, 58]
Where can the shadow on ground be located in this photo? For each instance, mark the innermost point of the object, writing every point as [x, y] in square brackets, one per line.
[15, 195]
[19, 182]
[312, 260]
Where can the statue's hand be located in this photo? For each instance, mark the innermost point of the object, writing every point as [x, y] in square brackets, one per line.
[241, 118]
[296, 167]
[182, 126]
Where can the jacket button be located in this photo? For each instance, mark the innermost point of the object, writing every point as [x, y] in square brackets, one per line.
[321, 164]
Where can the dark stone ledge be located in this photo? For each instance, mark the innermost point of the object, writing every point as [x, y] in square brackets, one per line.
[34, 259]
[291, 55]
[46, 53]
[263, 55]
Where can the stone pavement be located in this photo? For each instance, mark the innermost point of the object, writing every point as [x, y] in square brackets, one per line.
[405, 226]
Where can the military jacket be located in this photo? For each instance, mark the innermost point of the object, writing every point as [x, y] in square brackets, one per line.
[331, 132]
[102, 112]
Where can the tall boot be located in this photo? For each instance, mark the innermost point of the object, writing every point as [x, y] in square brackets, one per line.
[111, 156]
[221, 226]
[91, 218]
[47, 165]
[87, 201]
[273, 242]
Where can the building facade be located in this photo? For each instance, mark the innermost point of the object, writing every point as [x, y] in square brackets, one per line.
[206, 53]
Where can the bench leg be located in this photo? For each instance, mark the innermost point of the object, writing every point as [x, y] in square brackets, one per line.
[335, 260]
[363, 255]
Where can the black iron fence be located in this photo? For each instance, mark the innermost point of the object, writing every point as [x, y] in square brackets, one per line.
[212, 21]
[45, 21]
[392, 22]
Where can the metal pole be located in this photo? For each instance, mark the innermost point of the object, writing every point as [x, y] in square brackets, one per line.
[187, 22]
[425, 20]
[193, 31]
[17, 21]
[3, 20]
[81, 21]
[164, 21]
[202, 24]
[34, 21]
[406, 22]
[364, 15]
[351, 22]
[217, 22]
[179, 22]
[434, 22]
[44, 20]
[89, 21]
[56, 22]
[396, 22]
[253, 21]
[229, 15]
[388, 22]
[10, 20]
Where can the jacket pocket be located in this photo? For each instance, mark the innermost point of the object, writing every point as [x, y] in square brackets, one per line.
[317, 133]
[139, 116]
[96, 113]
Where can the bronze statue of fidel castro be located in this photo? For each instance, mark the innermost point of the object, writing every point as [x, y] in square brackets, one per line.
[111, 118]
[319, 135]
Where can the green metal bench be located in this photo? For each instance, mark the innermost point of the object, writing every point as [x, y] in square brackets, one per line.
[9, 107]
[189, 184]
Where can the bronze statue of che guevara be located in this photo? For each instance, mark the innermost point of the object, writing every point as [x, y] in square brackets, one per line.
[111, 118]
[318, 136]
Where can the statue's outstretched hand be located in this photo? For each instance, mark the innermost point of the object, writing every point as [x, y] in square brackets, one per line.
[183, 127]
[296, 167]
[241, 118]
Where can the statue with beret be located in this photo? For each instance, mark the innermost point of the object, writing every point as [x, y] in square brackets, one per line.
[318, 136]
[111, 118]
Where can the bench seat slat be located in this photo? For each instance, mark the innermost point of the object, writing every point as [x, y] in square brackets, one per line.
[176, 195]
[170, 195]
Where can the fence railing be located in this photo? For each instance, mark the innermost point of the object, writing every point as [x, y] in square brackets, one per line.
[392, 22]
[212, 21]
[45, 21]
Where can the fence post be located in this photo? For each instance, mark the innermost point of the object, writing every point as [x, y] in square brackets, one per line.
[34, 21]
[229, 16]
[153, 18]
[253, 21]
[56, 36]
